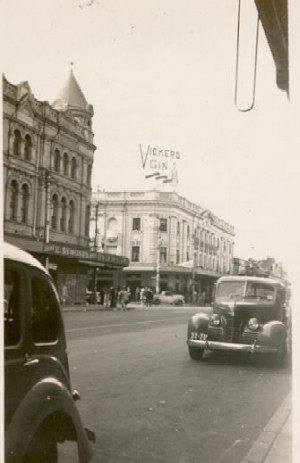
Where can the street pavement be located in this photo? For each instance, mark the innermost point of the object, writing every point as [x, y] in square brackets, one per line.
[274, 444]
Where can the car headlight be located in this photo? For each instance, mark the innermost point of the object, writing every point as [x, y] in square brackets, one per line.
[253, 324]
[215, 320]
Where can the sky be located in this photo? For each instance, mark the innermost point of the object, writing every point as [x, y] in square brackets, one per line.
[162, 73]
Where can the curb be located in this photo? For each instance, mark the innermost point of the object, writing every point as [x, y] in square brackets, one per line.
[263, 444]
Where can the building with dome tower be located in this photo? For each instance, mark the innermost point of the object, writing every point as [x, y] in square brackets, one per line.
[48, 153]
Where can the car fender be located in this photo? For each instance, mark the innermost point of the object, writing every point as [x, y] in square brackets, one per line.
[198, 323]
[273, 334]
[47, 397]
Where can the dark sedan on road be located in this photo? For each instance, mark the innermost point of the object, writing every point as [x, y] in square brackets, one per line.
[250, 314]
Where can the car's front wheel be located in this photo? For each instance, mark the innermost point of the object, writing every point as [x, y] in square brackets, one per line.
[42, 448]
[178, 302]
[157, 301]
[196, 353]
[280, 357]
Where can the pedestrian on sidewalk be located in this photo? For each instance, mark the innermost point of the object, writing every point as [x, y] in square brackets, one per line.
[106, 297]
[123, 298]
[149, 297]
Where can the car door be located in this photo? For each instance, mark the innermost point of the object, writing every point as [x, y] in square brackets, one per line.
[16, 335]
[48, 349]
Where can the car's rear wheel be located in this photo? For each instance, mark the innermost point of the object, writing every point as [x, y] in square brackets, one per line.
[179, 302]
[156, 301]
[196, 353]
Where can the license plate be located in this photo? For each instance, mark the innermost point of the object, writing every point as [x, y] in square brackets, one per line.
[198, 336]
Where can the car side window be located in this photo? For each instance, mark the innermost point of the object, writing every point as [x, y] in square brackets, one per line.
[45, 310]
[12, 325]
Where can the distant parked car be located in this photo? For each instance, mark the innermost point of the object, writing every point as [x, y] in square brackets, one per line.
[40, 408]
[250, 315]
[168, 297]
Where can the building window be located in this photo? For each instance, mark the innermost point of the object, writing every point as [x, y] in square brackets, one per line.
[163, 225]
[57, 161]
[73, 168]
[17, 143]
[66, 164]
[28, 148]
[178, 228]
[136, 224]
[72, 216]
[89, 175]
[54, 218]
[87, 221]
[163, 255]
[14, 196]
[24, 204]
[63, 217]
[177, 256]
[135, 254]
[187, 256]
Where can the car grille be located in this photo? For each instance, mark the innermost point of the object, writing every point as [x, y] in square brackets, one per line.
[233, 329]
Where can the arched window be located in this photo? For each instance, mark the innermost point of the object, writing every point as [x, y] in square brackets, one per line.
[24, 203]
[57, 161]
[63, 218]
[66, 164]
[72, 216]
[28, 148]
[14, 197]
[73, 168]
[87, 221]
[89, 175]
[54, 218]
[17, 143]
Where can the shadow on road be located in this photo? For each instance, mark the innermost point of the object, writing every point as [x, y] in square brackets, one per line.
[236, 359]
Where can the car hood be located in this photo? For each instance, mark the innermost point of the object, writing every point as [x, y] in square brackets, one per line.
[245, 310]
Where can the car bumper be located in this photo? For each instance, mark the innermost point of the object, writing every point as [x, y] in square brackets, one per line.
[230, 346]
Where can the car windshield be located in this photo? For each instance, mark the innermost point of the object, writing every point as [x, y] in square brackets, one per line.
[230, 290]
[260, 291]
[237, 290]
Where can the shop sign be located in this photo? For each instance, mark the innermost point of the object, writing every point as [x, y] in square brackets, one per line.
[66, 251]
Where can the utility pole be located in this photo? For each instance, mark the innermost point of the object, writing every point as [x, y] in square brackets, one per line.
[157, 280]
[96, 227]
[48, 207]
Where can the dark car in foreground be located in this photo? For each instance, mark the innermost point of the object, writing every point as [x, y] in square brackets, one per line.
[250, 315]
[40, 409]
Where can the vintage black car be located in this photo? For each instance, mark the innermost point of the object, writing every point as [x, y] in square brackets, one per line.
[250, 314]
[40, 409]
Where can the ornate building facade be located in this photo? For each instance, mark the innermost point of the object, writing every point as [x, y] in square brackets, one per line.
[48, 153]
[166, 238]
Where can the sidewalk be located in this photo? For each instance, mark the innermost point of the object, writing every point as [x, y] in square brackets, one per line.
[97, 307]
[274, 444]
[93, 307]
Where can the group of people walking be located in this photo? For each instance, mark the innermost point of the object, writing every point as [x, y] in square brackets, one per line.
[118, 298]
[144, 296]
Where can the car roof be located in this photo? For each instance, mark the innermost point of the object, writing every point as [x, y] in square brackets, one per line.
[14, 253]
[250, 278]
